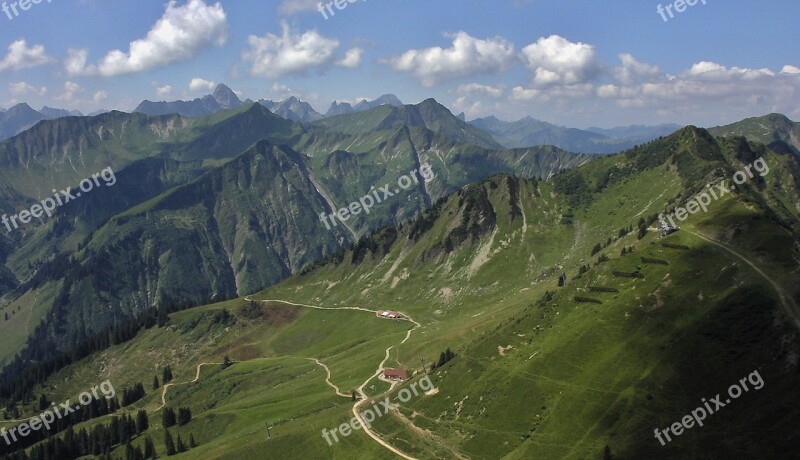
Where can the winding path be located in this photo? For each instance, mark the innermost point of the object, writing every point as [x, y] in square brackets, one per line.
[169, 385]
[328, 378]
[360, 390]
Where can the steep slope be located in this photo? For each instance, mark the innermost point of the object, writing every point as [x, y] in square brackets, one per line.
[775, 130]
[632, 340]
[17, 119]
[341, 168]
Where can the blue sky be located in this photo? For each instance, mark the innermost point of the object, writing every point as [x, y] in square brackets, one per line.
[578, 62]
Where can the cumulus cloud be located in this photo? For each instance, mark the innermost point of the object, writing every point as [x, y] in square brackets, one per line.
[179, 35]
[24, 89]
[199, 84]
[466, 57]
[21, 57]
[100, 96]
[71, 92]
[707, 87]
[164, 90]
[289, 53]
[556, 60]
[632, 70]
[478, 89]
[790, 69]
[352, 58]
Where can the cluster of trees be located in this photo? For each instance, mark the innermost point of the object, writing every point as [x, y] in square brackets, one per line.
[96, 408]
[444, 358]
[177, 447]
[95, 442]
[133, 394]
[169, 418]
[34, 365]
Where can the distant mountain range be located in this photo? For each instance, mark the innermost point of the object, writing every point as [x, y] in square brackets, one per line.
[256, 184]
[222, 98]
[529, 131]
[345, 108]
[775, 130]
[292, 109]
[21, 117]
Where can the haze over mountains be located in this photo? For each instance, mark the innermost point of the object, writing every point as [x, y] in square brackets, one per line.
[529, 131]
[523, 133]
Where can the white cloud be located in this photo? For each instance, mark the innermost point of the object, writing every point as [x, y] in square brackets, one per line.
[470, 109]
[633, 70]
[466, 57]
[71, 91]
[790, 69]
[164, 90]
[180, 35]
[198, 84]
[525, 94]
[100, 96]
[289, 53]
[352, 58]
[556, 60]
[24, 89]
[297, 6]
[477, 88]
[21, 57]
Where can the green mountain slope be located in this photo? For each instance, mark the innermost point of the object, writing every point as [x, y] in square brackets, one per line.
[254, 233]
[775, 130]
[630, 343]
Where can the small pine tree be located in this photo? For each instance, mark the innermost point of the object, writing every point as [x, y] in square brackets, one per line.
[155, 382]
[169, 443]
[167, 377]
[184, 416]
[192, 443]
[181, 447]
[168, 418]
[149, 448]
[142, 422]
